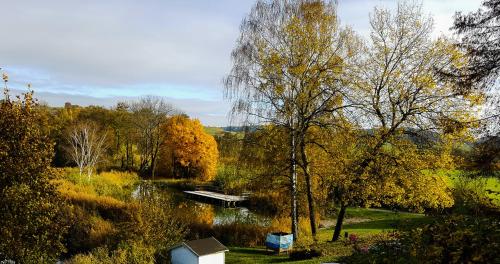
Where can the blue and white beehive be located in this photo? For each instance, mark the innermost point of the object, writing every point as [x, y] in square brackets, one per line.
[279, 241]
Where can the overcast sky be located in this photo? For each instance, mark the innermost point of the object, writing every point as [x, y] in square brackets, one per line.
[100, 52]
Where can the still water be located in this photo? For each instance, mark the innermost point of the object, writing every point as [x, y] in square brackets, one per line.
[209, 213]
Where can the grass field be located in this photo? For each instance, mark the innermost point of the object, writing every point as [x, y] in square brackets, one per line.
[491, 185]
[371, 221]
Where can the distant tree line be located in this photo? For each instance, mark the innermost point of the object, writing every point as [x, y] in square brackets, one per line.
[132, 136]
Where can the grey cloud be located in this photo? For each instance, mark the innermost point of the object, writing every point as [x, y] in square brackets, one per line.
[120, 42]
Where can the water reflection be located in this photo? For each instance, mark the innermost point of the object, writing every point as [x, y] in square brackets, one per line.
[202, 212]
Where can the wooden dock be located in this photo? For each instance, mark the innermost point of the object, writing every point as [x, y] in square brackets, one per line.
[217, 198]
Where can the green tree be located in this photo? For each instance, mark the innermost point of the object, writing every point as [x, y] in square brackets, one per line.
[32, 225]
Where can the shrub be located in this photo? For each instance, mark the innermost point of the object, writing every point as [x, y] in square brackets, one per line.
[246, 232]
[107, 207]
[146, 227]
[119, 185]
[179, 184]
[31, 222]
[304, 254]
[452, 239]
[266, 202]
[470, 196]
[283, 224]
[231, 179]
[132, 252]
[232, 234]
[88, 232]
[154, 225]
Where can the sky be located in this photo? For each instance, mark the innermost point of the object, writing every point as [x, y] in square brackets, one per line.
[94, 52]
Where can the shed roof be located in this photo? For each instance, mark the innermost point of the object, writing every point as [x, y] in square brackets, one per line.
[206, 246]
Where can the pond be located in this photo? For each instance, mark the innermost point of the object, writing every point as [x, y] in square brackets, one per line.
[207, 213]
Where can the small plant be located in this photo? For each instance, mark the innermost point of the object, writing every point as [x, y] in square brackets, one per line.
[302, 254]
[353, 238]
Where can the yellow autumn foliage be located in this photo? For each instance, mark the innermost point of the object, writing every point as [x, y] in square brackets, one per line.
[188, 151]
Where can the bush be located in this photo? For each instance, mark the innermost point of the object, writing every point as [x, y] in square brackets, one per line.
[304, 254]
[118, 185]
[88, 231]
[132, 252]
[84, 196]
[452, 239]
[155, 225]
[470, 197]
[266, 202]
[31, 210]
[231, 179]
[232, 234]
[147, 225]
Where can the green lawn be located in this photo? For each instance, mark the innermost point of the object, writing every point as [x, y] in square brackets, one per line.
[252, 255]
[491, 184]
[375, 221]
[239, 255]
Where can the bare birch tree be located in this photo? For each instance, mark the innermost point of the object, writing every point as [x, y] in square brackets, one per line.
[86, 147]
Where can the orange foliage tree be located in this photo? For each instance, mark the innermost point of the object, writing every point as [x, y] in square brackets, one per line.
[188, 151]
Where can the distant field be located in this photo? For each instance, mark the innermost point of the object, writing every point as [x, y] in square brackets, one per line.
[217, 131]
[214, 130]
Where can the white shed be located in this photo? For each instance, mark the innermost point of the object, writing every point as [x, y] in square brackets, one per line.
[201, 251]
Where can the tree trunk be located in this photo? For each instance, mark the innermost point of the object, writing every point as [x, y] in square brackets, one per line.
[293, 185]
[131, 155]
[340, 219]
[174, 167]
[310, 198]
[154, 158]
[153, 168]
[89, 173]
[127, 165]
[153, 165]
